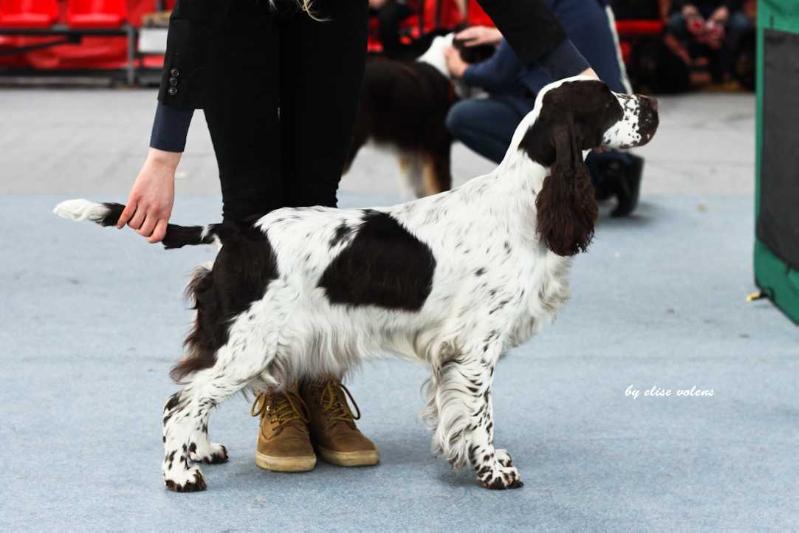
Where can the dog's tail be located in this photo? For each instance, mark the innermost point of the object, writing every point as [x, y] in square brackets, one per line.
[108, 214]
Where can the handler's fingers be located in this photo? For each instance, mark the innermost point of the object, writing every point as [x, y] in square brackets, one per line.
[149, 225]
[130, 208]
[138, 218]
[160, 231]
[468, 34]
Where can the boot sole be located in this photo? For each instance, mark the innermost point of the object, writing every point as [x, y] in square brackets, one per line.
[359, 458]
[285, 464]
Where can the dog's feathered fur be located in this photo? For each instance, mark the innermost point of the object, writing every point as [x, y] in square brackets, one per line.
[453, 280]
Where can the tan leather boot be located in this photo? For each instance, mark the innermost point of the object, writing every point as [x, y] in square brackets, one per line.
[284, 443]
[332, 425]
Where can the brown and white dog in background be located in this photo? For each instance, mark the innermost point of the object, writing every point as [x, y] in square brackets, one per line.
[404, 105]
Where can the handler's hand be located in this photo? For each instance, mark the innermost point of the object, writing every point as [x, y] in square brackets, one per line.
[150, 201]
[455, 63]
[590, 73]
[477, 35]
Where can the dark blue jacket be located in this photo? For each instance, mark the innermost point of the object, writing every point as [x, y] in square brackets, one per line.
[587, 25]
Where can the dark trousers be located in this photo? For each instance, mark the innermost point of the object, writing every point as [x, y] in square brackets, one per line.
[282, 109]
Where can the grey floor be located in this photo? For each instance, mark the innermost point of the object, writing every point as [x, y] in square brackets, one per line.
[90, 321]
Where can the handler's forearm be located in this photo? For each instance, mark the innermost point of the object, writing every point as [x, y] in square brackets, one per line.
[500, 70]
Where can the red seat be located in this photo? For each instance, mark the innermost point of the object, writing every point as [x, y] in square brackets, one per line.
[28, 13]
[441, 14]
[88, 14]
[639, 27]
[475, 16]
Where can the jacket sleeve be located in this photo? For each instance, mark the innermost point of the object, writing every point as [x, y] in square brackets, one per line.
[192, 32]
[529, 26]
[170, 128]
[500, 70]
[536, 35]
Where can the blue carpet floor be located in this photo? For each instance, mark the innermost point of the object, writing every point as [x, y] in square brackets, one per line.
[91, 320]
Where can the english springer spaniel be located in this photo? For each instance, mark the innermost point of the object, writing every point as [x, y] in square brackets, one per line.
[453, 280]
[404, 106]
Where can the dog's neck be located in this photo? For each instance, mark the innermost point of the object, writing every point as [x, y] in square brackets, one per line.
[436, 57]
[516, 169]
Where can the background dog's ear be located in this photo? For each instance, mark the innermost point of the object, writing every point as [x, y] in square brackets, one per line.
[566, 206]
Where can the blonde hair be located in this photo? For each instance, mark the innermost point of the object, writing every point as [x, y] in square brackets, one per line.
[305, 5]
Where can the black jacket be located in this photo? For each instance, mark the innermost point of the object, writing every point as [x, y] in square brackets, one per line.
[195, 27]
[194, 32]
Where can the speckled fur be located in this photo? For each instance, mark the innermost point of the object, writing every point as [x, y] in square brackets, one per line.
[493, 286]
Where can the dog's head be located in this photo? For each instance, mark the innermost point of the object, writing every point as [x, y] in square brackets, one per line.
[571, 116]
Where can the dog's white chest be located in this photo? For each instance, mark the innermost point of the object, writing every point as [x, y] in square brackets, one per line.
[544, 289]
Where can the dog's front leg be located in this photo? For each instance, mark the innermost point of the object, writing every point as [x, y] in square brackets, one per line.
[465, 431]
[185, 422]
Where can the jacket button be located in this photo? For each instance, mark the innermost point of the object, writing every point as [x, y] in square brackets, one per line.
[174, 73]
[172, 91]
[173, 82]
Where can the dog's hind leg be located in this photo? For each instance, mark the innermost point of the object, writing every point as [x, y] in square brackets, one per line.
[244, 357]
[435, 174]
[411, 168]
[438, 177]
[465, 431]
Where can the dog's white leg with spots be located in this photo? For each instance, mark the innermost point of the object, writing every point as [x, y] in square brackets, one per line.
[465, 432]
[244, 358]
[179, 417]
[205, 451]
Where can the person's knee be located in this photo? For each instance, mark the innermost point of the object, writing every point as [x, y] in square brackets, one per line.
[458, 119]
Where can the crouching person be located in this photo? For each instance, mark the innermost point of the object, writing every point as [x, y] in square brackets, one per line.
[486, 125]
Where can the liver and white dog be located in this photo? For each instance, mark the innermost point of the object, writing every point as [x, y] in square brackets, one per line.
[453, 280]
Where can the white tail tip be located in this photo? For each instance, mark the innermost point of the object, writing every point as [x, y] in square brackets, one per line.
[80, 209]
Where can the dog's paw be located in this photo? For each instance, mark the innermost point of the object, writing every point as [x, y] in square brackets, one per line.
[503, 457]
[499, 477]
[190, 480]
[210, 453]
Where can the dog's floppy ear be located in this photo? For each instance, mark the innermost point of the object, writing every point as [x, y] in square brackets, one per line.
[566, 206]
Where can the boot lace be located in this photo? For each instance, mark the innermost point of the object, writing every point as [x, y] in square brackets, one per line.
[281, 408]
[335, 404]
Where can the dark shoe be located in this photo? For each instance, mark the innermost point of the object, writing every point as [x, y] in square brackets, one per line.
[333, 432]
[618, 175]
[284, 443]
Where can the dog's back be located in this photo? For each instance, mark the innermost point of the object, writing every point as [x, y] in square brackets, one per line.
[404, 104]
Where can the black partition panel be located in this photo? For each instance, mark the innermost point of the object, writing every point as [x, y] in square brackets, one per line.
[778, 221]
